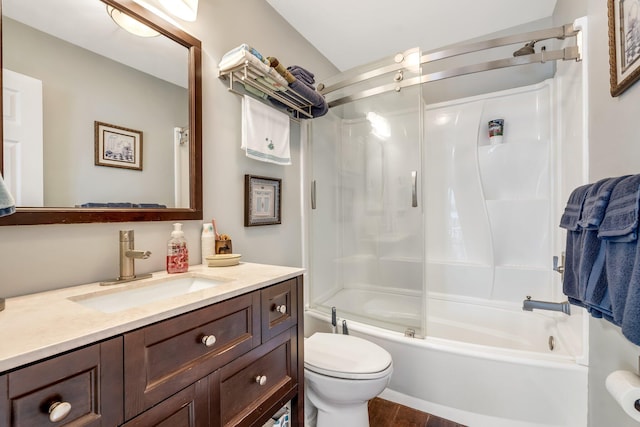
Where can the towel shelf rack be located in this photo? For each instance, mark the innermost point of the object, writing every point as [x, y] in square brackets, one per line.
[248, 74]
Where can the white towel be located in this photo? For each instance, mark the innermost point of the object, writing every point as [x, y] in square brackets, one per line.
[265, 132]
[7, 204]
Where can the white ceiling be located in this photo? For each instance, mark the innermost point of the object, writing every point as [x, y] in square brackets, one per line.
[355, 32]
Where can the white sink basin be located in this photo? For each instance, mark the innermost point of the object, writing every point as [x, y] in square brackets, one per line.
[138, 294]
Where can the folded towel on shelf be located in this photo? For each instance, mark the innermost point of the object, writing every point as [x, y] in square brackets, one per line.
[257, 92]
[302, 74]
[319, 106]
[265, 132]
[7, 203]
[237, 56]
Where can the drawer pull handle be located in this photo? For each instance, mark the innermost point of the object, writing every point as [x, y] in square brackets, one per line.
[58, 411]
[261, 379]
[281, 308]
[209, 340]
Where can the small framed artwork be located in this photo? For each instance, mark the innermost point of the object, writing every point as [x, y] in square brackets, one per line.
[262, 200]
[624, 44]
[118, 147]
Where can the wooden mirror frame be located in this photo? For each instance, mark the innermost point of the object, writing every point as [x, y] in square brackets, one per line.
[45, 215]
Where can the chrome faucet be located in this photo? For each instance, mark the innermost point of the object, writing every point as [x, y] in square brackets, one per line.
[531, 304]
[128, 255]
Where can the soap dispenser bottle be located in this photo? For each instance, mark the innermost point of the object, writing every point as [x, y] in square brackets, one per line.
[177, 253]
[208, 241]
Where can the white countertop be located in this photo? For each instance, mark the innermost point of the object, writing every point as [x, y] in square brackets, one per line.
[37, 326]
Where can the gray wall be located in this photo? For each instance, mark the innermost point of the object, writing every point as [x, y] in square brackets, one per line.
[80, 87]
[613, 151]
[37, 258]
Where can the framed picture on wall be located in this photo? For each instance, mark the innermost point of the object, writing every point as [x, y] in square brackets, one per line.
[262, 199]
[624, 44]
[118, 147]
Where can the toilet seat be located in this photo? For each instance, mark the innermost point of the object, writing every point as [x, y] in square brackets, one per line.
[345, 356]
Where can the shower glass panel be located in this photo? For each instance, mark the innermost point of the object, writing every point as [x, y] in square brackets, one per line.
[367, 227]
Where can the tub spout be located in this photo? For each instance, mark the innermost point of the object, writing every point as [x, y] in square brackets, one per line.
[530, 305]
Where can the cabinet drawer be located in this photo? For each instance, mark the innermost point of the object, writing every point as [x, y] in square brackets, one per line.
[89, 380]
[279, 308]
[170, 355]
[187, 408]
[243, 397]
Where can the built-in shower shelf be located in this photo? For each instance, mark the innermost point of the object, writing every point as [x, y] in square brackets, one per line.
[248, 74]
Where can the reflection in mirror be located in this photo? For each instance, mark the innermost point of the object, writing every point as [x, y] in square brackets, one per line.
[67, 66]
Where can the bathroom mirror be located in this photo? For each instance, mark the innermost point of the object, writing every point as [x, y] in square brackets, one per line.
[118, 100]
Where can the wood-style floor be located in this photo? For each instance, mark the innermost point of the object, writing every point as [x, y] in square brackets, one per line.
[383, 413]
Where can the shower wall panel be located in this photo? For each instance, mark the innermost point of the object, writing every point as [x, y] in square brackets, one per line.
[488, 228]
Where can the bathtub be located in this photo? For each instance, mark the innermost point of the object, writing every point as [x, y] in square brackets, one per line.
[481, 366]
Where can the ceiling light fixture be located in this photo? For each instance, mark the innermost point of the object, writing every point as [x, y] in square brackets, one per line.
[184, 9]
[130, 24]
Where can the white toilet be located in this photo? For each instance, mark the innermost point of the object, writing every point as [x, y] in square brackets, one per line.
[342, 373]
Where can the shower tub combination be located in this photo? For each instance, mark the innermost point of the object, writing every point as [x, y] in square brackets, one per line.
[496, 378]
[440, 282]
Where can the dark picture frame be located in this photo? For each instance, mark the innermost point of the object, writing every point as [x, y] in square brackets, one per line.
[262, 200]
[117, 146]
[624, 44]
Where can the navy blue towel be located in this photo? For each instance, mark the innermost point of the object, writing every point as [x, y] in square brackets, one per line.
[592, 278]
[575, 242]
[302, 74]
[573, 210]
[596, 202]
[619, 232]
[602, 266]
[621, 216]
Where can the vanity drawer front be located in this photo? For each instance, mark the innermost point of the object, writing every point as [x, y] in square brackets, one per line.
[187, 408]
[279, 308]
[243, 399]
[172, 354]
[89, 380]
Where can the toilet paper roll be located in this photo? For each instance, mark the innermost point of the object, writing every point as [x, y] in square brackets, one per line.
[624, 386]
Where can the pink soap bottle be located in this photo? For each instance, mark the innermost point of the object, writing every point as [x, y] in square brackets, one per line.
[177, 252]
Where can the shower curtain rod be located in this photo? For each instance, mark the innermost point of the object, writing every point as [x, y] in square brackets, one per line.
[568, 53]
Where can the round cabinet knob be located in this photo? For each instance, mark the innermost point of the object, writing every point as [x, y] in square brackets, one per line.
[281, 308]
[261, 379]
[209, 340]
[58, 411]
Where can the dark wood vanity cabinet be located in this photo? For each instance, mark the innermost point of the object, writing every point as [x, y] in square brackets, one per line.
[233, 363]
[80, 388]
[168, 356]
[246, 352]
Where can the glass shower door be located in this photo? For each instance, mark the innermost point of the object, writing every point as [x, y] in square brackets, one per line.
[367, 228]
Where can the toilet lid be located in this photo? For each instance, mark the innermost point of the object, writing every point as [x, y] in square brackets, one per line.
[345, 356]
